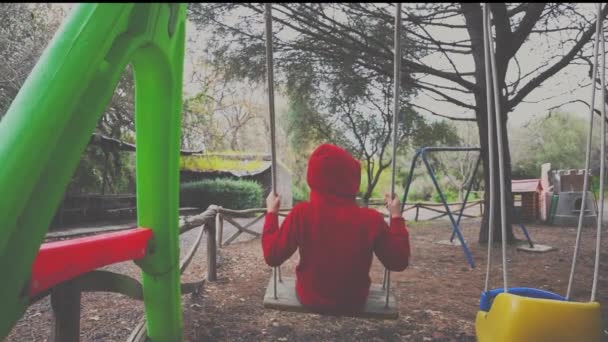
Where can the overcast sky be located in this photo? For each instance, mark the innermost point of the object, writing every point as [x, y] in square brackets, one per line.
[562, 87]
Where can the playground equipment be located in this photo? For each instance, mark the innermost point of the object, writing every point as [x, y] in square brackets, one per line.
[47, 128]
[280, 292]
[528, 314]
[568, 195]
[422, 153]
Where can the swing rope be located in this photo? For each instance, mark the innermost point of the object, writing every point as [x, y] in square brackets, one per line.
[600, 217]
[598, 30]
[501, 170]
[492, 189]
[270, 81]
[493, 94]
[397, 76]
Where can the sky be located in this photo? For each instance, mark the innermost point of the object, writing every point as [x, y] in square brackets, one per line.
[562, 87]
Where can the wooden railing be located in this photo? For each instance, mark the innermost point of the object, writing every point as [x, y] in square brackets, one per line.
[257, 214]
[230, 215]
[434, 207]
[66, 297]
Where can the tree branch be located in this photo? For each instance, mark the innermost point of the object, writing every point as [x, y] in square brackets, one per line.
[538, 80]
[107, 143]
[442, 115]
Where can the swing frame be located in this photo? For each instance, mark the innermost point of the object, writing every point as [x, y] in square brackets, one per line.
[529, 314]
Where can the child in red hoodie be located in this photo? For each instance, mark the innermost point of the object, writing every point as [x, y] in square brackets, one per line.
[336, 238]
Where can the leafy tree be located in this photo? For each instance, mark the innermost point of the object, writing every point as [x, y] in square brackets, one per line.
[25, 29]
[316, 37]
[331, 99]
[559, 138]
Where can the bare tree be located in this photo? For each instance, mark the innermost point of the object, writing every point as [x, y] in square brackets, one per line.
[459, 167]
[218, 115]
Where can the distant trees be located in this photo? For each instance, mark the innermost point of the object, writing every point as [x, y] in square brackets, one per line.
[559, 138]
[332, 97]
[25, 31]
[338, 41]
[334, 63]
[223, 114]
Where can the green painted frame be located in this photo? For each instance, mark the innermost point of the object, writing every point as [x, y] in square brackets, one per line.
[49, 124]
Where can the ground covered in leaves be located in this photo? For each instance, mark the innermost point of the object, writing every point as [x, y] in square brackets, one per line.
[437, 295]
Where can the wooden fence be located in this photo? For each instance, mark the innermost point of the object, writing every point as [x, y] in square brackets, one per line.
[65, 298]
[257, 214]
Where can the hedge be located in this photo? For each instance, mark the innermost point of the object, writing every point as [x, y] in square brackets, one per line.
[228, 193]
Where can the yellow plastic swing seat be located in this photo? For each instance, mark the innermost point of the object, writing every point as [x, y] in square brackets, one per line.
[514, 318]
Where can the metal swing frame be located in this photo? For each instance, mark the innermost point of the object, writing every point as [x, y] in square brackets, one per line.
[422, 153]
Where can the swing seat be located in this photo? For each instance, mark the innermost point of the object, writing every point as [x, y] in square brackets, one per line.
[288, 301]
[533, 315]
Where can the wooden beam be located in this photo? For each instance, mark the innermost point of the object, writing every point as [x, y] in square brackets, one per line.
[65, 302]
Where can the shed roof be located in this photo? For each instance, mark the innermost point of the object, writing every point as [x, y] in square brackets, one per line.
[525, 185]
[236, 163]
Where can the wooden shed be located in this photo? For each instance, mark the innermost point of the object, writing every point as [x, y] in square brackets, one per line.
[249, 166]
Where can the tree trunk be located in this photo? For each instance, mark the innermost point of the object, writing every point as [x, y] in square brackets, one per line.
[473, 16]
[233, 142]
[366, 197]
[483, 232]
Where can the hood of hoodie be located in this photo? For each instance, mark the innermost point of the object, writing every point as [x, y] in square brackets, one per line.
[332, 170]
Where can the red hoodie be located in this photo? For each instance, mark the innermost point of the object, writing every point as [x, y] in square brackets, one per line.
[335, 237]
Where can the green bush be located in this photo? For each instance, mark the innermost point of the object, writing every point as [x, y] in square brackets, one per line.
[450, 196]
[228, 193]
[473, 196]
[300, 193]
[421, 189]
[595, 185]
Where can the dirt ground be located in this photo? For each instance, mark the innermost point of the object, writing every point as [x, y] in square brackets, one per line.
[437, 296]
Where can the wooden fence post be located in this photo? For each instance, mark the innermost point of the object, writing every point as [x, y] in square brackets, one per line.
[65, 302]
[417, 210]
[219, 222]
[211, 251]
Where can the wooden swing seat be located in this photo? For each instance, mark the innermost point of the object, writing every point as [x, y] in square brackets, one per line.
[288, 301]
[513, 317]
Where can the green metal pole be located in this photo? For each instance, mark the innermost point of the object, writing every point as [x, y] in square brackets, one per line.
[158, 103]
[49, 124]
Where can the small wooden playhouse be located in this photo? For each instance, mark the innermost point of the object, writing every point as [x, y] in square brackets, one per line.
[528, 191]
